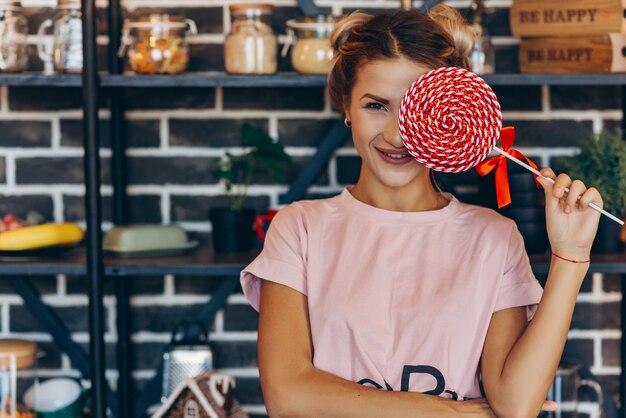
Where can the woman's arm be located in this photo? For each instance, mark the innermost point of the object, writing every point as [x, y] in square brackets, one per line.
[293, 388]
[520, 360]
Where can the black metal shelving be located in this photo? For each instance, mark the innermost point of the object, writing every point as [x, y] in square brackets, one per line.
[213, 79]
[204, 262]
[556, 79]
[91, 262]
[101, 395]
[221, 79]
[286, 79]
[41, 80]
[201, 262]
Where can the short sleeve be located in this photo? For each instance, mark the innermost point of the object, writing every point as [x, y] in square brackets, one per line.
[283, 258]
[519, 286]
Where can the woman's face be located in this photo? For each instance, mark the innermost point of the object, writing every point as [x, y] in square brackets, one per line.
[375, 101]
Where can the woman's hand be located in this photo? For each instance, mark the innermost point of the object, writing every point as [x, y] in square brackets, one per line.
[571, 224]
[479, 408]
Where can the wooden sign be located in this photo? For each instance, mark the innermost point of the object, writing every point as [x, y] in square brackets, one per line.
[589, 54]
[567, 17]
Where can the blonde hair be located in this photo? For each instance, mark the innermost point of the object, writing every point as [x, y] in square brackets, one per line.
[463, 34]
[439, 38]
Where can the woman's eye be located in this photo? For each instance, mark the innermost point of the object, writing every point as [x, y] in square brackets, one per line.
[375, 106]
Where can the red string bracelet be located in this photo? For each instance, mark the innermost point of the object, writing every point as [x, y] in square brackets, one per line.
[567, 259]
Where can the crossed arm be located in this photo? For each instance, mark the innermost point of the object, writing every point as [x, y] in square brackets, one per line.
[293, 388]
[515, 354]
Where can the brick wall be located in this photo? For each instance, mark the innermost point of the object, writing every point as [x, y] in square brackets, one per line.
[175, 137]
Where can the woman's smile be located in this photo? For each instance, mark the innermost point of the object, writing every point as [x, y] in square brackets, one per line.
[394, 157]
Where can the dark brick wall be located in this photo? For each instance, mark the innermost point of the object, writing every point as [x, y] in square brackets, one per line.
[175, 138]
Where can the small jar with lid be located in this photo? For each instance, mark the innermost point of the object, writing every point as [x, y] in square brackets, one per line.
[157, 43]
[251, 47]
[66, 51]
[483, 55]
[13, 33]
[311, 52]
[18, 361]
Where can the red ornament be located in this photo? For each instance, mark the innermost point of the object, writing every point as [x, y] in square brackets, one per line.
[498, 163]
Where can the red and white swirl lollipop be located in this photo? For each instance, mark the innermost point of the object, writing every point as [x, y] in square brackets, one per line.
[450, 120]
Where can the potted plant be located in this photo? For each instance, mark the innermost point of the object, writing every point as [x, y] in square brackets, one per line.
[601, 163]
[233, 224]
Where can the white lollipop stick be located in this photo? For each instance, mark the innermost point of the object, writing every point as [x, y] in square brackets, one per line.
[523, 164]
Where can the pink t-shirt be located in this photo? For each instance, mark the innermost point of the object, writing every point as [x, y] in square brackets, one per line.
[398, 300]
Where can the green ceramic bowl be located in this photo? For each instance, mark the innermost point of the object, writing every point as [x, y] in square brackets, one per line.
[56, 398]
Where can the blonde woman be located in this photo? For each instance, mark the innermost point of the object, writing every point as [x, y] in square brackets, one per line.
[394, 299]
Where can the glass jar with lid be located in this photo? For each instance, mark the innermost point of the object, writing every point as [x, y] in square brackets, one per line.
[157, 43]
[18, 360]
[483, 55]
[66, 51]
[13, 32]
[251, 46]
[311, 52]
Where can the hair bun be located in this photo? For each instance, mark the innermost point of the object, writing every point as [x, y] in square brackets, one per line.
[463, 34]
[346, 26]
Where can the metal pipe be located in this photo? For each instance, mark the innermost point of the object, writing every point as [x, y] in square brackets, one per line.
[117, 123]
[120, 214]
[622, 376]
[93, 210]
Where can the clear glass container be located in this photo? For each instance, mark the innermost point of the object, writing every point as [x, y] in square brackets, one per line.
[157, 43]
[483, 55]
[66, 50]
[13, 32]
[18, 369]
[311, 52]
[251, 46]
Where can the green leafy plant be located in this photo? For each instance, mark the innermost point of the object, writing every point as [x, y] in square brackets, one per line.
[262, 156]
[601, 163]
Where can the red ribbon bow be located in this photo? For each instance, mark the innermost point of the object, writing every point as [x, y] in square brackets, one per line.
[503, 193]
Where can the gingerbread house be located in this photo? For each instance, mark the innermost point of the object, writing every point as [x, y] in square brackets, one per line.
[207, 395]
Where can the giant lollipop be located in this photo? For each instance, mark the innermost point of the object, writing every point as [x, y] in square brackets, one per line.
[450, 120]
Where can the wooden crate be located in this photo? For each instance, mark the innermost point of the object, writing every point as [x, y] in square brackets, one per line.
[531, 18]
[588, 54]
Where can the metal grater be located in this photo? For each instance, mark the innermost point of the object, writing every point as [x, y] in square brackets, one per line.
[187, 355]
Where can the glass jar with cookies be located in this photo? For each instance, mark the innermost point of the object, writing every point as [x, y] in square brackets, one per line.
[157, 44]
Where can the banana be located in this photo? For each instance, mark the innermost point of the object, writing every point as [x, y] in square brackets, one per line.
[40, 236]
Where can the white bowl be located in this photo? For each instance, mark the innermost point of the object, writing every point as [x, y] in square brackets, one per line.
[52, 394]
